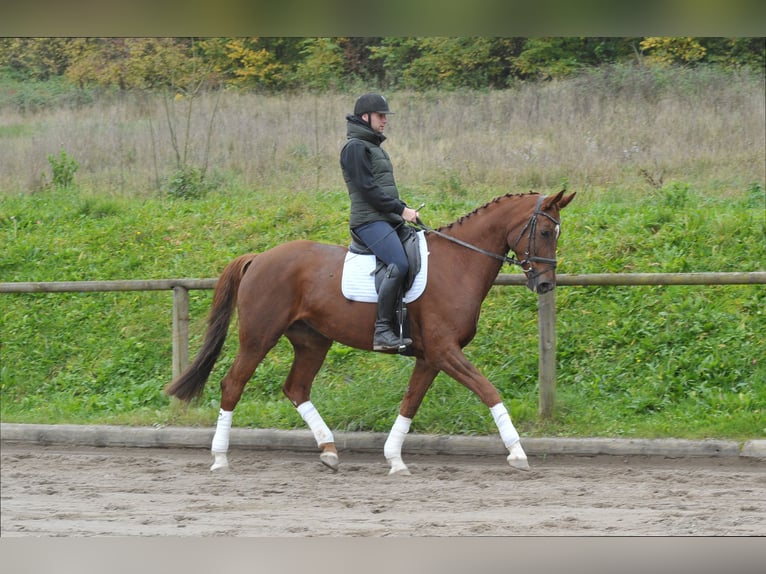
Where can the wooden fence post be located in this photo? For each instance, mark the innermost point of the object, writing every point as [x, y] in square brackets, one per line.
[180, 329]
[546, 319]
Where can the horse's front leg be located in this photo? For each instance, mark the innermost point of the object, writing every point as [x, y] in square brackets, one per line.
[517, 458]
[420, 381]
[456, 365]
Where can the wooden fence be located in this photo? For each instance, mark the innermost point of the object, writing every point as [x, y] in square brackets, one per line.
[546, 307]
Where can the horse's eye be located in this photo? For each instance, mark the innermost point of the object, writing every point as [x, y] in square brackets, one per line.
[548, 232]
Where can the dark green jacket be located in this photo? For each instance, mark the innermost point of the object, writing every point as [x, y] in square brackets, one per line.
[369, 176]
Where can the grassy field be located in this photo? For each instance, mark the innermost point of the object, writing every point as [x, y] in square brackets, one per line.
[670, 178]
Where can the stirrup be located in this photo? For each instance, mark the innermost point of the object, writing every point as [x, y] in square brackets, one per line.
[399, 347]
[384, 344]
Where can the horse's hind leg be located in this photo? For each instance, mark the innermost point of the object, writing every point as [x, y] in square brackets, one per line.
[310, 351]
[232, 385]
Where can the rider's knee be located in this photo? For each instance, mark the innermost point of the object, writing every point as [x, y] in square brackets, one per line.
[397, 269]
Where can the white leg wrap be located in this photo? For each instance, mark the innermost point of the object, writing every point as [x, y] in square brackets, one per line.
[312, 418]
[222, 432]
[517, 457]
[392, 450]
[508, 432]
[395, 440]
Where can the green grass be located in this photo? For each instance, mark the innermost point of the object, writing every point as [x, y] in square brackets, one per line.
[669, 174]
[675, 361]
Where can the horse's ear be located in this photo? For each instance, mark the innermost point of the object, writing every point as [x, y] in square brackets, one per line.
[558, 200]
[564, 201]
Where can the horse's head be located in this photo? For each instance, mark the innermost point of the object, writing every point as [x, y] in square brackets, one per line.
[535, 245]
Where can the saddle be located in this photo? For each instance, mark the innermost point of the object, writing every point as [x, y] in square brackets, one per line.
[409, 238]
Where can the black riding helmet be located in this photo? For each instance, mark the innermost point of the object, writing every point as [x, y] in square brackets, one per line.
[371, 103]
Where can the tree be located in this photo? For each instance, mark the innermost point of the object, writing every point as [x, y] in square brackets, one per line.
[358, 62]
[322, 64]
[665, 51]
[736, 52]
[452, 63]
[252, 65]
[129, 63]
[34, 58]
[444, 62]
[547, 58]
[395, 54]
[333, 63]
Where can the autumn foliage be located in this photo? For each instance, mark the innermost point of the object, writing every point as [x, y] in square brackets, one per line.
[335, 63]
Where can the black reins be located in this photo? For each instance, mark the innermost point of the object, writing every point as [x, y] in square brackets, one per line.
[531, 226]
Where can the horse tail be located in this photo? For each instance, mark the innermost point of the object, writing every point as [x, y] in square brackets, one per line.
[191, 382]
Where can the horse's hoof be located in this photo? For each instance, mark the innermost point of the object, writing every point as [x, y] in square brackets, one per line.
[221, 462]
[398, 467]
[330, 459]
[518, 458]
[518, 463]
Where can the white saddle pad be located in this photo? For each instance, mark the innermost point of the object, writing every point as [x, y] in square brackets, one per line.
[358, 282]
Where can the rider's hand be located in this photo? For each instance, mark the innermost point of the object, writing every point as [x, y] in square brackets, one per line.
[410, 215]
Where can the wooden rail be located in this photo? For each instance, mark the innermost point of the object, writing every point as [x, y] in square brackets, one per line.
[546, 307]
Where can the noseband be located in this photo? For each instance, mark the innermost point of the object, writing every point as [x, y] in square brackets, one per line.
[530, 226]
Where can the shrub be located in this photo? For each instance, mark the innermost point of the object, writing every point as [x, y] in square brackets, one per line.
[63, 167]
[188, 182]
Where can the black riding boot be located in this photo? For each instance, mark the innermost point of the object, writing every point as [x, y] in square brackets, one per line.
[388, 298]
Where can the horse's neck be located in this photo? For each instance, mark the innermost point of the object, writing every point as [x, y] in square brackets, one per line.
[487, 228]
[490, 226]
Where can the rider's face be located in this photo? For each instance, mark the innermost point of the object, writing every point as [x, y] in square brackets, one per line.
[378, 121]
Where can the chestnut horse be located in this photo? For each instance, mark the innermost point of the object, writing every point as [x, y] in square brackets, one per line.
[294, 289]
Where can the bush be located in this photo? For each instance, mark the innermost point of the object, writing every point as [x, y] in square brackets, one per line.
[188, 182]
[63, 167]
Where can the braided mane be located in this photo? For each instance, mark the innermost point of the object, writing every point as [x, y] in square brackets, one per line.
[494, 201]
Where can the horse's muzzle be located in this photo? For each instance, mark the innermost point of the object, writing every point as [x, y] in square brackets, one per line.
[542, 280]
[545, 287]
[541, 287]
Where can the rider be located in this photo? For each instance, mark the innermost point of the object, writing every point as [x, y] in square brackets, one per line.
[376, 210]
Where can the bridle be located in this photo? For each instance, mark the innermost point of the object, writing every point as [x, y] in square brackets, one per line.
[530, 227]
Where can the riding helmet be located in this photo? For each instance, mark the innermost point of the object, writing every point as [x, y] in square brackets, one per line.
[371, 103]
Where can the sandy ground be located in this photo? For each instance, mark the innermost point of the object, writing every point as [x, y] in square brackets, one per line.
[89, 491]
